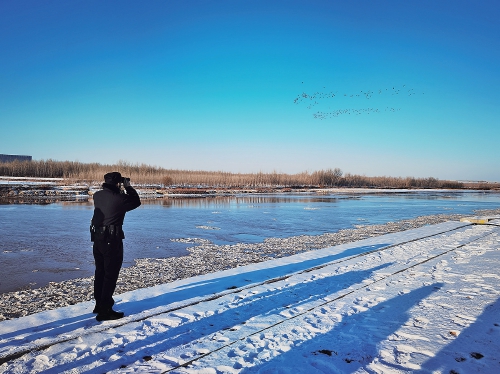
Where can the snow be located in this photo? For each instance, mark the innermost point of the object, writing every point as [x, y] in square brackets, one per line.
[422, 300]
[29, 180]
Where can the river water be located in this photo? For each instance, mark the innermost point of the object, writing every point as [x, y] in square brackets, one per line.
[49, 242]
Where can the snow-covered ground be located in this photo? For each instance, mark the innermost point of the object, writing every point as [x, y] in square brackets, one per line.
[29, 180]
[423, 300]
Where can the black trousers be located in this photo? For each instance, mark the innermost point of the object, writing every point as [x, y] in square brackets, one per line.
[108, 256]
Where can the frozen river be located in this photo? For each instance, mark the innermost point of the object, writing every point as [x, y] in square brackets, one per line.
[50, 242]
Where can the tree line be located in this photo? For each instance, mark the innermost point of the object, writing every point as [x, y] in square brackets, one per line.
[78, 172]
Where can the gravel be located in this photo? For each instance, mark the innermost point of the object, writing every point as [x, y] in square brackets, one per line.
[204, 257]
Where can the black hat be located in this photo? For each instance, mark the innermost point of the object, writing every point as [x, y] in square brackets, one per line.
[113, 177]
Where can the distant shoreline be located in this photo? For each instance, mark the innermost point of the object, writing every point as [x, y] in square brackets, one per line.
[55, 189]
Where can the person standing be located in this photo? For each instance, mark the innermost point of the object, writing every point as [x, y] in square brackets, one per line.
[110, 206]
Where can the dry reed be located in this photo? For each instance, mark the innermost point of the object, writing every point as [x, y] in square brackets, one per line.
[77, 172]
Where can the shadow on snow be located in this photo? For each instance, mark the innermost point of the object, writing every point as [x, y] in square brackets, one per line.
[245, 278]
[186, 292]
[270, 302]
[472, 347]
[352, 343]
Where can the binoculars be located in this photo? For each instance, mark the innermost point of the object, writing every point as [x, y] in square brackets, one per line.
[125, 179]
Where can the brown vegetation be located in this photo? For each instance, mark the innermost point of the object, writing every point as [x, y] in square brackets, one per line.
[153, 175]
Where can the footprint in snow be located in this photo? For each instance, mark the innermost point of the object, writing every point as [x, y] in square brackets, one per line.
[286, 313]
[440, 265]
[404, 336]
[420, 322]
[183, 317]
[367, 302]
[187, 355]
[355, 310]
[445, 306]
[363, 301]
[315, 323]
[404, 353]
[375, 288]
[463, 320]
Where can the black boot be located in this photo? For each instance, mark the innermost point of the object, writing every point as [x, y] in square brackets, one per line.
[97, 307]
[109, 315]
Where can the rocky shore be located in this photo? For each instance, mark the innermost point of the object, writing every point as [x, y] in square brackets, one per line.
[52, 191]
[29, 191]
[204, 257]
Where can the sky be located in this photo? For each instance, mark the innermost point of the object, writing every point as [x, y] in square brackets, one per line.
[418, 301]
[374, 88]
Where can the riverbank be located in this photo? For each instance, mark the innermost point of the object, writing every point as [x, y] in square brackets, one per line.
[40, 190]
[424, 300]
[203, 258]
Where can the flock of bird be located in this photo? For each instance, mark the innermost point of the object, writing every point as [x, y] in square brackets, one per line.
[336, 113]
[314, 99]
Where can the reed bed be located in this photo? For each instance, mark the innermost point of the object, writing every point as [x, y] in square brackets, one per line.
[92, 173]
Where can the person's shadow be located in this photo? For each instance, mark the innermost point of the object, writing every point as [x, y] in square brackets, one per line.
[241, 279]
[352, 343]
[26, 339]
[272, 302]
[469, 351]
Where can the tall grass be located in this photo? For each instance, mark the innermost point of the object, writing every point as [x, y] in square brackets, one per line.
[147, 174]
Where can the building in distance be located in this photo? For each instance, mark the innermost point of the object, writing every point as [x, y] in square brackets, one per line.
[11, 158]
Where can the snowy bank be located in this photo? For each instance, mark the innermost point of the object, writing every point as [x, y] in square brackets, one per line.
[424, 300]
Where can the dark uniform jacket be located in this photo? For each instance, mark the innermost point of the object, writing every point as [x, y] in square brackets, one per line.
[110, 206]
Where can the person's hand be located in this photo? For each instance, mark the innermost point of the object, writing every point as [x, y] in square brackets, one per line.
[126, 183]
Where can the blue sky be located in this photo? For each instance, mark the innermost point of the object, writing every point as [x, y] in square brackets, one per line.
[396, 88]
